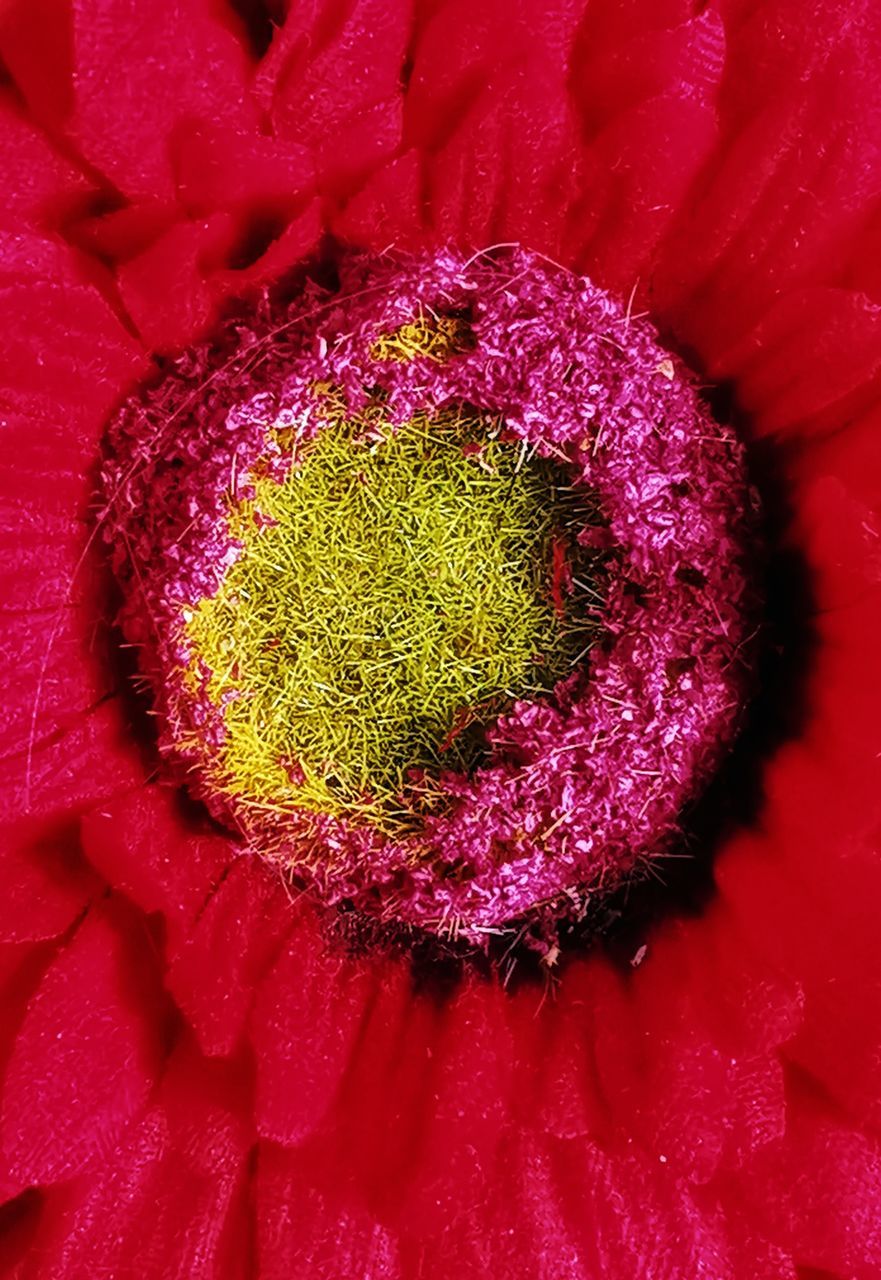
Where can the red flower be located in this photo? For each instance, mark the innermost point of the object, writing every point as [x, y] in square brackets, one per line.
[194, 1083]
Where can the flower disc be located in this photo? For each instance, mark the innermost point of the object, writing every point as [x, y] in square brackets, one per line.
[441, 584]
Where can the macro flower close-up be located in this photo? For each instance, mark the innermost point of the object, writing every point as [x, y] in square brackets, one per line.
[440, 513]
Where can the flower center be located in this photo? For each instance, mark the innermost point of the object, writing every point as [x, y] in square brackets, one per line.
[390, 595]
[358, 540]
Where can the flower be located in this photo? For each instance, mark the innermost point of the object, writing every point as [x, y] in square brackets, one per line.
[195, 1081]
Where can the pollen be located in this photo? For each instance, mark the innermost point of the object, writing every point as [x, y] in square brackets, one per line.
[389, 597]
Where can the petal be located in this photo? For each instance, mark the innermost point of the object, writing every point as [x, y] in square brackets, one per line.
[41, 886]
[218, 968]
[173, 288]
[307, 1018]
[812, 362]
[85, 1058]
[40, 186]
[387, 209]
[66, 358]
[507, 172]
[817, 1194]
[331, 83]
[165, 288]
[628, 1215]
[72, 768]
[117, 79]
[221, 168]
[386, 1090]
[465, 1109]
[304, 1229]
[768, 214]
[555, 1085]
[166, 1201]
[64, 362]
[647, 99]
[144, 845]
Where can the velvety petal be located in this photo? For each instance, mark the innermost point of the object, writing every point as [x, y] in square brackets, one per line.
[174, 287]
[63, 363]
[816, 873]
[216, 972]
[458, 43]
[73, 767]
[387, 1090]
[39, 185]
[142, 843]
[809, 364]
[84, 1059]
[647, 95]
[304, 1229]
[507, 173]
[166, 289]
[817, 1194]
[266, 257]
[466, 1108]
[307, 1019]
[219, 167]
[117, 78]
[165, 1202]
[66, 358]
[388, 207]
[42, 887]
[555, 1085]
[331, 82]
[487, 103]
[769, 214]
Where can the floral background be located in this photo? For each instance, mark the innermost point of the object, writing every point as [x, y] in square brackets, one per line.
[194, 1082]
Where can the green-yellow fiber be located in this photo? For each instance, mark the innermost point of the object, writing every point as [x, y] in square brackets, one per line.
[435, 337]
[401, 599]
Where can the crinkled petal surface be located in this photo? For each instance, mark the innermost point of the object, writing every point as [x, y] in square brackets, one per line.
[195, 1082]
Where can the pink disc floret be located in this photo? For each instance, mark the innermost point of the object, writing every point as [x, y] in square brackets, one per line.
[578, 789]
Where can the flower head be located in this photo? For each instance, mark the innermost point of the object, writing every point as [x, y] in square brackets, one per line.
[196, 1079]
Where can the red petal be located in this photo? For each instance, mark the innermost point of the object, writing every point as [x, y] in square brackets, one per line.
[123, 233]
[304, 1229]
[817, 1194]
[306, 1021]
[648, 104]
[72, 768]
[387, 1089]
[556, 1088]
[388, 208]
[459, 45]
[166, 1202]
[298, 240]
[466, 1108]
[118, 78]
[326, 92]
[769, 214]
[222, 168]
[39, 185]
[165, 288]
[622, 1215]
[42, 890]
[143, 845]
[217, 971]
[508, 172]
[172, 288]
[812, 362]
[84, 1059]
[66, 358]
[63, 363]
